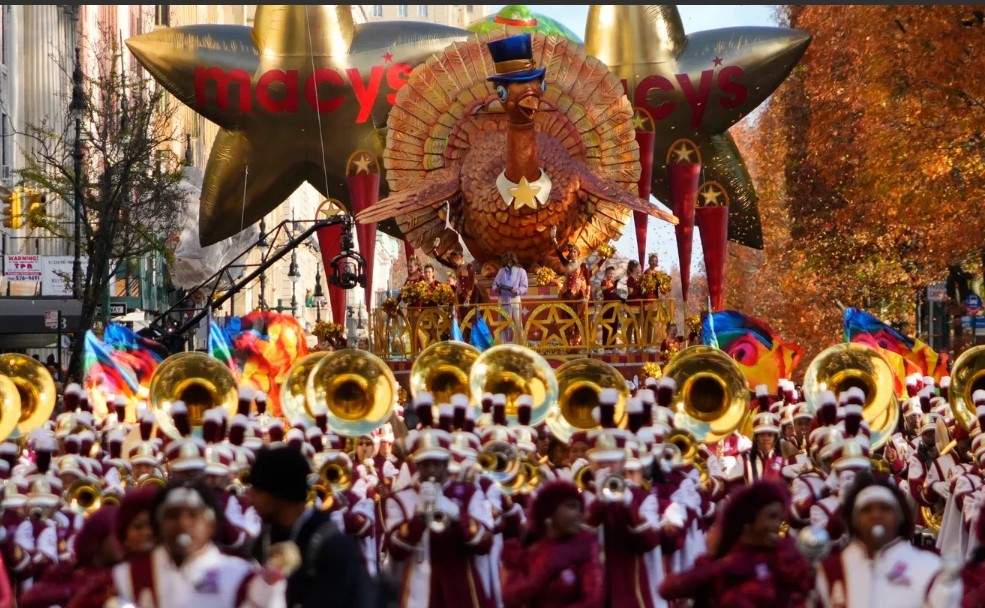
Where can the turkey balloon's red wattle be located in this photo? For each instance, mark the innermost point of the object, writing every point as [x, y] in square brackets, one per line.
[712, 225]
[684, 179]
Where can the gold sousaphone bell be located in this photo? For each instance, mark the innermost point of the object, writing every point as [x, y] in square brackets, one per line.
[844, 366]
[294, 388]
[357, 389]
[711, 400]
[442, 369]
[202, 382]
[514, 370]
[27, 395]
[967, 376]
[580, 382]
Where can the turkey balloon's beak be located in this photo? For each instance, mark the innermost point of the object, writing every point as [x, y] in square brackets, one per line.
[528, 104]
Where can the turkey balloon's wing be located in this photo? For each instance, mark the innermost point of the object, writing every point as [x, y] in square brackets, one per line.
[595, 185]
[439, 187]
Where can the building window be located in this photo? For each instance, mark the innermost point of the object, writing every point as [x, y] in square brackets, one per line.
[5, 136]
[162, 14]
[377, 10]
[401, 10]
[422, 10]
[468, 7]
[4, 21]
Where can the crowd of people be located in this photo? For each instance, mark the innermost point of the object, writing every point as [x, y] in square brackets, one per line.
[469, 509]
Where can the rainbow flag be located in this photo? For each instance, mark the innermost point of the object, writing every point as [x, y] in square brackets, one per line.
[763, 357]
[104, 375]
[907, 355]
[221, 348]
[137, 352]
[265, 344]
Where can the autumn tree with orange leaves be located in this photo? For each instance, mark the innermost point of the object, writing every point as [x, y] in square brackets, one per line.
[870, 167]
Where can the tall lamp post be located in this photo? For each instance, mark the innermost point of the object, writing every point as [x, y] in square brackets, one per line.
[262, 247]
[77, 108]
[318, 296]
[294, 275]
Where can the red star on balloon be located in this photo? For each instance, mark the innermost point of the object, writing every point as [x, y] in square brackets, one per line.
[295, 96]
[666, 73]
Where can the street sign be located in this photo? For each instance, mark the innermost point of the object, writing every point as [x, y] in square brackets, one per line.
[972, 303]
[51, 319]
[937, 292]
[115, 310]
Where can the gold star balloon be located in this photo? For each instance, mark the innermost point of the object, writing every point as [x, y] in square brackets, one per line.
[295, 96]
[696, 86]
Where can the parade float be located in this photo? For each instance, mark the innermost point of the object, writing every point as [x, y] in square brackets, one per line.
[512, 135]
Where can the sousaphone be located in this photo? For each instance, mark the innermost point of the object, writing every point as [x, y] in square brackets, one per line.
[202, 382]
[294, 389]
[356, 387]
[844, 366]
[34, 392]
[967, 376]
[515, 370]
[442, 369]
[580, 382]
[711, 400]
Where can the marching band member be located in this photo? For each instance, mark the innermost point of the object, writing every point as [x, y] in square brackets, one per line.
[626, 517]
[748, 565]
[764, 461]
[922, 460]
[435, 528]
[879, 567]
[558, 564]
[186, 568]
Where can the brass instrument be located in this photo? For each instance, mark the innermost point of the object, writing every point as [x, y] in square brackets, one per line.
[84, 497]
[530, 470]
[200, 381]
[580, 382]
[442, 369]
[844, 366]
[584, 478]
[152, 480]
[711, 400]
[499, 459]
[613, 489]
[334, 478]
[515, 370]
[111, 500]
[293, 390]
[33, 394]
[967, 376]
[356, 387]
[436, 519]
[933, 516]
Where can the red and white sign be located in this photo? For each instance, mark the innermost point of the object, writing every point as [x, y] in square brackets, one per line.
[22, 267]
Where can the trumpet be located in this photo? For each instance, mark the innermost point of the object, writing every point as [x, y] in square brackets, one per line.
[436, 519]
[584, 478]
[613, 489]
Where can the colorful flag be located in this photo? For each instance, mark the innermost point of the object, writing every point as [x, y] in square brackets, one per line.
[265, 344]
[481, 336]
[221, 348]
[104, 376]
[456, 330]
[915, 356]
[763, 357]
[137, 352]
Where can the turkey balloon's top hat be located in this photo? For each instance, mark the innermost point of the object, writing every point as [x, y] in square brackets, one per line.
[514, 59]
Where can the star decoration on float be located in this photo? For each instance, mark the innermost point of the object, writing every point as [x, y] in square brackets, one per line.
[665, 72]
[294, 96]
[362, 164]
[712, 194]
[524, 194]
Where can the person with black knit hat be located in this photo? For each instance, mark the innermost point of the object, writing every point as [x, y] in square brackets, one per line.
[558, 564]
[332, 572]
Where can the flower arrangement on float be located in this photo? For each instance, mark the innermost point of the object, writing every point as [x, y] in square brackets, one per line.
[545, 276]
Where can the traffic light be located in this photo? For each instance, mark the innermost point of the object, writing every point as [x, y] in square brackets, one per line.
[13, 210]
[36, 209]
